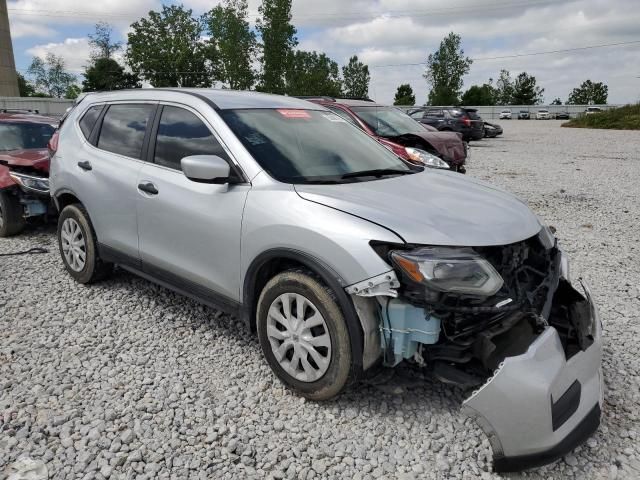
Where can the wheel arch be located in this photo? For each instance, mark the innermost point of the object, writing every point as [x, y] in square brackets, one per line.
[272, 262]
[64, 197]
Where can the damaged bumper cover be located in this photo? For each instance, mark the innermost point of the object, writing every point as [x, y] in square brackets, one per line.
[540, 405]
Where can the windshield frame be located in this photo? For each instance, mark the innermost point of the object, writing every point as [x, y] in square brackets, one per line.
[284, 143]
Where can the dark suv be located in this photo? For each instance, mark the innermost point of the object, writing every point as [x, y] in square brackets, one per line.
[451, 119]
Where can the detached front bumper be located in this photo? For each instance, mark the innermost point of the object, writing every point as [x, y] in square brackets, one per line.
[538, 406]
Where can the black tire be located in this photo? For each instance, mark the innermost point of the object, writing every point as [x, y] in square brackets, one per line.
[94, 268]
[11, 215]
[308, 285]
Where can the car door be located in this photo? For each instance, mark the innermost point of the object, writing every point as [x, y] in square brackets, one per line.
[189, 232]
[107, 172]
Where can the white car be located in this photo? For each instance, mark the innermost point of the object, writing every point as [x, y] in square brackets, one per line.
[505, 114]
[592, 110]
[543, 115]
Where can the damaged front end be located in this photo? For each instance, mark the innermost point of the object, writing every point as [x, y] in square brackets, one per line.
[505, 321]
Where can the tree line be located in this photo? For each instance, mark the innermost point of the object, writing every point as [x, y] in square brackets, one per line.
[172, 48]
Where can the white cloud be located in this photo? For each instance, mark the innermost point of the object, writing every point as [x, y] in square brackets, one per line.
[74, 51]
[21, 29]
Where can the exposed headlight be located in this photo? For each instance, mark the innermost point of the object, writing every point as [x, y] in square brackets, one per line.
[447, 269]
[426, 158]
[29, 182]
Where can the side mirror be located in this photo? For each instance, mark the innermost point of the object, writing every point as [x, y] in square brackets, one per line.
[206, 168]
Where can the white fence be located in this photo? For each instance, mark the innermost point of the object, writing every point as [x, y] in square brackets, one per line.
[45, 106]
[493, 112]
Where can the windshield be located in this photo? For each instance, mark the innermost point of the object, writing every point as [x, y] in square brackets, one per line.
[388, 121]
[19, 136]
[311, 146]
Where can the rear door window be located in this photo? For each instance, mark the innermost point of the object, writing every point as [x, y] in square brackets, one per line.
[181, 134]
[88, 120]
[123, 128]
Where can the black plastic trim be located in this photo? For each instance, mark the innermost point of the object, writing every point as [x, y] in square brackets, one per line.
[169, 280]
[579, 435]
[326, 273]
[566, 405]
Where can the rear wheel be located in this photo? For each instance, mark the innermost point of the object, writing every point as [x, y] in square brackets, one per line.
[78, 246]
[303, 335]
[11, 215]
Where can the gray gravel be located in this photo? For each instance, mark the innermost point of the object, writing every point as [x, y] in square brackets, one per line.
[127, 380]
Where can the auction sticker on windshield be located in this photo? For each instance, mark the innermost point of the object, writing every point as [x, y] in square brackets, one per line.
[294, 113]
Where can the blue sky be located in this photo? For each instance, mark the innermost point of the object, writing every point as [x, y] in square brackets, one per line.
[383, 32]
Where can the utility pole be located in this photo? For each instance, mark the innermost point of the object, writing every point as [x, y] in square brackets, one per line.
[8, 78]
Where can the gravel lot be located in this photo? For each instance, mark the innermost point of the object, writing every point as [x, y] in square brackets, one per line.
[127, 380]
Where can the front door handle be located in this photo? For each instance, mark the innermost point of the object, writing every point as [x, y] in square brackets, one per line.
[85, 165]
[148, 187]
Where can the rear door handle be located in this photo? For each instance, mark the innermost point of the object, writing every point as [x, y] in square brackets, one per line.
[148, 187]
[85, 165]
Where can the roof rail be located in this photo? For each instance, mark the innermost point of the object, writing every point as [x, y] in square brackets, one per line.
[20, 110]
[363, 99]
[315, 97]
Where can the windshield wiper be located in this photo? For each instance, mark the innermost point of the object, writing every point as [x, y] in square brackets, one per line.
[378, 172]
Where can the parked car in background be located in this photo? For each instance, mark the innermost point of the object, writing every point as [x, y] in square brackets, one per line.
[336, 252]
[524, 115]
[505, 114]
[592, 110]
[563, 115]
[451, 119]
[24, 168]
[543, 114]
[492, 130]
[400, 133]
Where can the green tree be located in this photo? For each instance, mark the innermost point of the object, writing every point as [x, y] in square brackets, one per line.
[479, 95]
[504, 89]
[101, 43]
[445, 69]
[556, 101]
[526, 90]
[165, 48]
[24, 86]
[589, 93]
[278, 40]
[49, 76]
[356, 79]
[312, 73]
[232, 46]
[107, 74]
[404, 95]
[72, 92]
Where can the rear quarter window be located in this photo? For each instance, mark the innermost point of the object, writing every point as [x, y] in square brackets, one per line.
[88, 120]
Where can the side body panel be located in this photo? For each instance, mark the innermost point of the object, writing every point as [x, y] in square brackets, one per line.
[277, 217]
[191, 229]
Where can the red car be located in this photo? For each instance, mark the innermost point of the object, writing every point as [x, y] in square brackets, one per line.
[400, 133]
[24, 168]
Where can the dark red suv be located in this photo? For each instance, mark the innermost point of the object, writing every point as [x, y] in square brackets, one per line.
[24, 168]
[400, 133]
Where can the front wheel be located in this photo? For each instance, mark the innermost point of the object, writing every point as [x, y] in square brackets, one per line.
[11, 215]
[303, 335]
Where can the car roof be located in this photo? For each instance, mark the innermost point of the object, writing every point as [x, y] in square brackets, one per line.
[221, 99]
[27, 118]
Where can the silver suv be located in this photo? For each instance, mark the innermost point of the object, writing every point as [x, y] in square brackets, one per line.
[340, 255]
